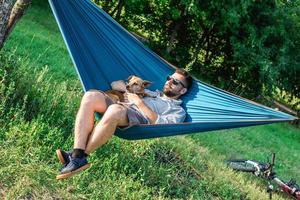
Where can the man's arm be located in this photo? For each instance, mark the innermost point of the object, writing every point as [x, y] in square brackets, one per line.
[152, 116]
[118, 85]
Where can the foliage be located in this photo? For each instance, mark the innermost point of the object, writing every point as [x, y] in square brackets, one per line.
[250, 48]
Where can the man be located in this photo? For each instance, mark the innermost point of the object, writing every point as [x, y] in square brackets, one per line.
[161, 109]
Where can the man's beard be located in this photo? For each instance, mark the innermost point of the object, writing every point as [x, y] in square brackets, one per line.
[169, 93]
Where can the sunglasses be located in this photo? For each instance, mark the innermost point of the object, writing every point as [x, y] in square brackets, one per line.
[175, 81]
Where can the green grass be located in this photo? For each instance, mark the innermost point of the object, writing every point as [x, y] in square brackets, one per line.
[38, 38]
[258, 143]
[39, 96]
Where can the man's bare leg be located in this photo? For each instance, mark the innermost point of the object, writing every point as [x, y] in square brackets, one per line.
[92, 101]
[115, 115]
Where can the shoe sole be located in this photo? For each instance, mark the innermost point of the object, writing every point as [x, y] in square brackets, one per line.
[67, 175]
[60, 156]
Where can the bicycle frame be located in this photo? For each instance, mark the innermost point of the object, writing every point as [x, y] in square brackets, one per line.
[265, 170]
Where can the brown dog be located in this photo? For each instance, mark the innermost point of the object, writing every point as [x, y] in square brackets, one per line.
[134, 85]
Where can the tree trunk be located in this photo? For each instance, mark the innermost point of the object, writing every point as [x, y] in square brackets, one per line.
[174, 35]
[120, 6]
[178, 24]
[10, 13]
[5, 11]
[118, 9]
[105, 6]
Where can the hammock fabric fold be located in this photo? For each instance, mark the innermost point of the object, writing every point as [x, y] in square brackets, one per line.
[103, 51]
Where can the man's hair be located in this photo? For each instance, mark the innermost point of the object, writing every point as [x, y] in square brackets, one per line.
[187, 76]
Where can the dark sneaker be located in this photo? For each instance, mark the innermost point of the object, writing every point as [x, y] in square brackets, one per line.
[74, 166]
[63, 156]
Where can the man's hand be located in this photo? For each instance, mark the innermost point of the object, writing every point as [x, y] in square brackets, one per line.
[134, 98]
[138, 101]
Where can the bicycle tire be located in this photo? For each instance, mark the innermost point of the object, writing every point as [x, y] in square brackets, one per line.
[241, 165]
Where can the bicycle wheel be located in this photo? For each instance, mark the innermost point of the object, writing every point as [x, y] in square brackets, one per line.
[242, 165]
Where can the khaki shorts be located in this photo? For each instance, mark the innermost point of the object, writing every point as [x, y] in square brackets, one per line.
[134, 116]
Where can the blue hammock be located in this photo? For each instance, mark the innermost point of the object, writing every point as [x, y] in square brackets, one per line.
[103, 51]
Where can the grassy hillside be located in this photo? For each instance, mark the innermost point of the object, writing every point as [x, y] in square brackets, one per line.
[39, 96]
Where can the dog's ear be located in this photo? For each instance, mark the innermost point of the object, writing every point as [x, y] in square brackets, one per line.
[147, 83]
[129, 77]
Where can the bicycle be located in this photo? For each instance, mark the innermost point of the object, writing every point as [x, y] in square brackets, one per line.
[265, 170]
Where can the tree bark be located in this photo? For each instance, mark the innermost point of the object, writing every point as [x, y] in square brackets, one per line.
[105, 6]
[177, 24]
[118, 9]
[10, 13]
[174, 35]
[5, 11]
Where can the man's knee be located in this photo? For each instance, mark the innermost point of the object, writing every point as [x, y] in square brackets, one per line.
[92, 96]
[115, 113]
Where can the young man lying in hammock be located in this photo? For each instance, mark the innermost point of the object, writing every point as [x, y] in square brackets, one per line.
[163, 108]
